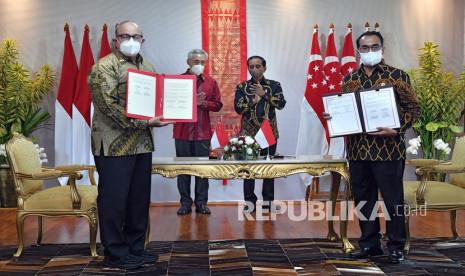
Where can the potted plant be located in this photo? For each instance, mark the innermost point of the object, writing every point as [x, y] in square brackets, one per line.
[441, 97]
[20, 96]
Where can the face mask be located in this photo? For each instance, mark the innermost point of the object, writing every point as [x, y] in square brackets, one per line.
[197, 69]
[130, 47]
[371, 58]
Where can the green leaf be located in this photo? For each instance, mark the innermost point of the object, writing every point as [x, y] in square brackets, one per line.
[456, 129]
[432, 126]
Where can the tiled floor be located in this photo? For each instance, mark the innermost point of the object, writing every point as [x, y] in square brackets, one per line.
[241, 257]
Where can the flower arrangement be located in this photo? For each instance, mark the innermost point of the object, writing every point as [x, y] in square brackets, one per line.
[242, 147]
[40, 151]
[441, 95]
[441, 148]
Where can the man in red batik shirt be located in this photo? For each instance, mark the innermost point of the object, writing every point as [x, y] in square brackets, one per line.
[193, 139]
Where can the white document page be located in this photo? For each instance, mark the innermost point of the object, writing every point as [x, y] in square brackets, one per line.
[178, 99]
[345, 118]
[379, 109]
[141, 94]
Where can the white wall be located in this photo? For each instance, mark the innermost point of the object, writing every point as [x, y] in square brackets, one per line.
[278, 30]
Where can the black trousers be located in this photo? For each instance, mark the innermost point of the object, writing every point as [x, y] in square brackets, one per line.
[367, 177]
[189, 149]
[123, 202]
[268, 184]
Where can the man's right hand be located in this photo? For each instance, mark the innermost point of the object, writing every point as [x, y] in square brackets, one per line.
[157, 122]
[326, 116]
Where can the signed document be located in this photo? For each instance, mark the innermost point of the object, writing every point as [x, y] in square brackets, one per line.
[171, 96]
[178, 99]
[361, 112]
[379, 109]
[141, 95]
[345, 118]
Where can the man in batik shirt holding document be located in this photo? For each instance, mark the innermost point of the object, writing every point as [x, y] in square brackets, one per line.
[377, 159]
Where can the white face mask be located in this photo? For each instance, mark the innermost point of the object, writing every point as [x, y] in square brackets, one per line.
[371, 58]
[130, 47]
[197, 69]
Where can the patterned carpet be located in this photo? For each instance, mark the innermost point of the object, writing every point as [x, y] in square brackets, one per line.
[241, 257]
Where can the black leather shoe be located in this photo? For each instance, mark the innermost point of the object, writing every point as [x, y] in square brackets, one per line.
[184, 210]
[127, 263]
[396, 256]
[146, 257]
[367, 252]
[203, 209]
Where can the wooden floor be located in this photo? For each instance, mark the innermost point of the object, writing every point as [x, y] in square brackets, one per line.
[222, 224]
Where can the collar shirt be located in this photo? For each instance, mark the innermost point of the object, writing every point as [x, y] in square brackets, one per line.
[201, 130]
[254, 114]
[118, 134]
[376, 148]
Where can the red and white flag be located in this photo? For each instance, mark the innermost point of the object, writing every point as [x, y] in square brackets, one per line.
[312, 138]
[105, 48]
[265, 137]
[334, 78]
[82, 107]
[64, 105]
[220, 137]
[348, 62]
[332, 66]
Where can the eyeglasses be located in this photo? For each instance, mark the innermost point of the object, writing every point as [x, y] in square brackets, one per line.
[136, 37]
[366, 48]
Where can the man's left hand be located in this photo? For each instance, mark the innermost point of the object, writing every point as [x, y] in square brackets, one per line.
[385, 131]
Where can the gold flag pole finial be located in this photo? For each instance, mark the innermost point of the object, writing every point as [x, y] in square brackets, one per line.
[105, 27]
[315, 26]
[349, 26]
[331, 26]
[377, 27]
[66, 28]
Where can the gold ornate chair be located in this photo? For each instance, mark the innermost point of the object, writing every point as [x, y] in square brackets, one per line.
[34, 200]
[434, 195]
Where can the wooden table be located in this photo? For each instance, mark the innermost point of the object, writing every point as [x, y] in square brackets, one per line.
[260, 169]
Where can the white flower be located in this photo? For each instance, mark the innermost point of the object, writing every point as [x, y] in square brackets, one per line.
[440, 145]
[412, 150]
[226, 148]
[249, 140]
[240, 142]
[249, 151]
[233, 140]
[415, 142]
[233, 148]
[447, 150]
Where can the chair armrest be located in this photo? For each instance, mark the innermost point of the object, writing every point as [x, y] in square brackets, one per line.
[422, 162]
[447, 168]
[47, 174]
[77, 168]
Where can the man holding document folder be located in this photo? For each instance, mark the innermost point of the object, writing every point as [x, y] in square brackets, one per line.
[377, 158]
[122, 148]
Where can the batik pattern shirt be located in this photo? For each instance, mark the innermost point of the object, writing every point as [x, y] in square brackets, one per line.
[253, 114]
[111, 128]
[376, 148]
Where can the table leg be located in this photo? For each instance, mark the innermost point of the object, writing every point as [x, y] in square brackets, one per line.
[334, 190]
[344, 215]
